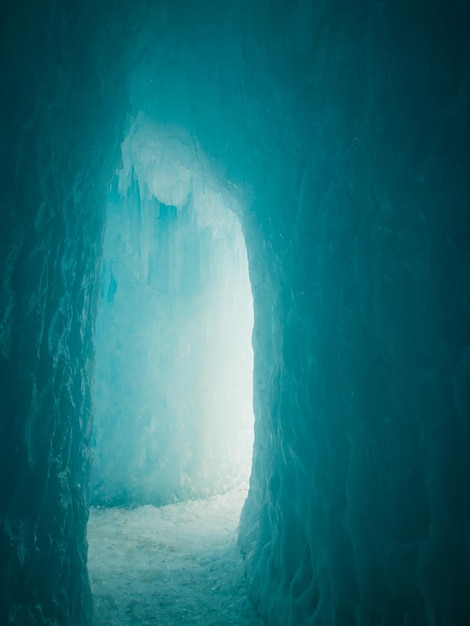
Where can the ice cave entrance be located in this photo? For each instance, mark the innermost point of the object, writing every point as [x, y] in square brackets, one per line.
[173, 418]
[174, 360]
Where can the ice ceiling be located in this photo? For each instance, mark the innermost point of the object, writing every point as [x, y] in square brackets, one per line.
[173, 384]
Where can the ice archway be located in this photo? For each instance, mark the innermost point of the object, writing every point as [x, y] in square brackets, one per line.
[174, 413]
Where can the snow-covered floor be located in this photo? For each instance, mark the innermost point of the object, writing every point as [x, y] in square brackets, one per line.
[169, 566]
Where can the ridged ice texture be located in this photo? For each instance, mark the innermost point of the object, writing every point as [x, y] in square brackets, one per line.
[359, 510]
[57, 140]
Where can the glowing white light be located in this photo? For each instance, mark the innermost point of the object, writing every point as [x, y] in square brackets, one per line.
[178, 258]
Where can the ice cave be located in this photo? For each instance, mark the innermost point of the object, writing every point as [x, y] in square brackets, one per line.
[235, 313]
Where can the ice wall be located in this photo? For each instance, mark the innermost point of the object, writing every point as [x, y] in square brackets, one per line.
[173, 385]
[59, 135]
[359, 509]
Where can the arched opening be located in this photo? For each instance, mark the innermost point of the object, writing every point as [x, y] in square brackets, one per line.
[173, 384]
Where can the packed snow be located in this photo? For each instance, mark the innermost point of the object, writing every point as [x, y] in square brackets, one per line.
[177, 564]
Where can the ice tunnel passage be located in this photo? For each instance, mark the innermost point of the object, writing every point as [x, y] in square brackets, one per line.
[173, 381]
[348, 124]
[173, 419]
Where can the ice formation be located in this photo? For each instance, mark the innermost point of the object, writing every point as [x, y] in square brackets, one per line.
[173, 382]
[342, 132]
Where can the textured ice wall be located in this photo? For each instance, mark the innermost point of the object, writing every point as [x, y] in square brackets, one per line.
[359, 510]
[59, 136]
[174, 410]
